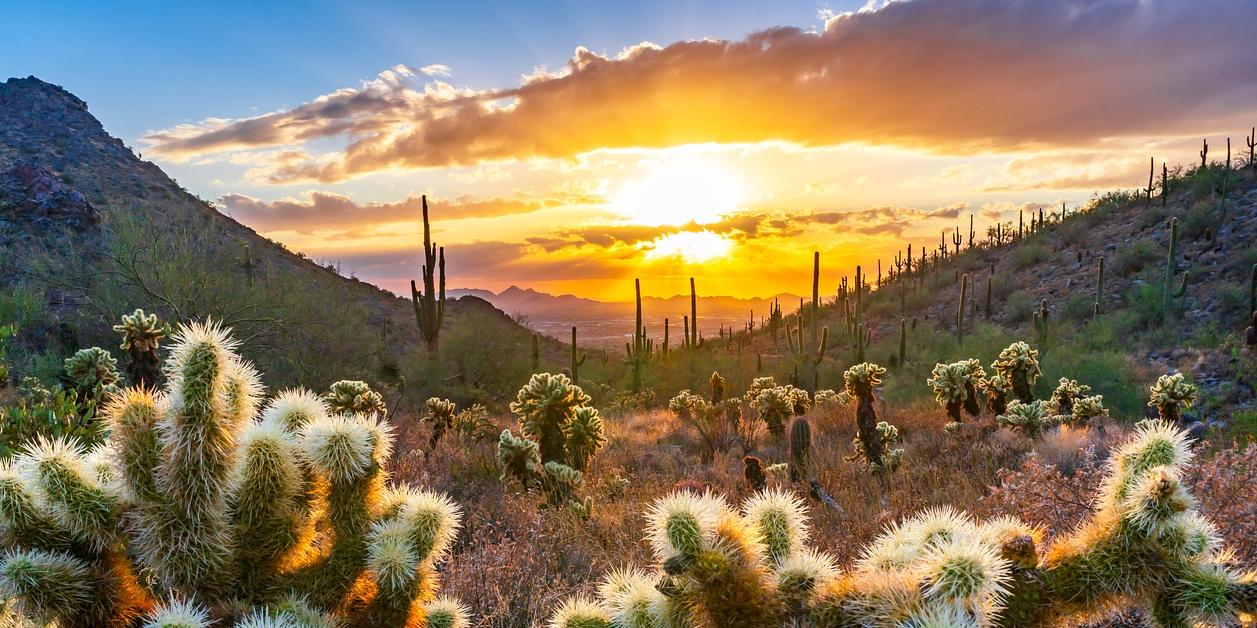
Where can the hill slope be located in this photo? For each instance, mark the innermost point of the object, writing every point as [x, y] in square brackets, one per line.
[89, 231]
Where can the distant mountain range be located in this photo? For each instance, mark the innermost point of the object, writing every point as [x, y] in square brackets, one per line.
[550, 313]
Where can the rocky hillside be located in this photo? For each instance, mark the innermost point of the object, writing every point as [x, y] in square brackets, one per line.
[91, 228]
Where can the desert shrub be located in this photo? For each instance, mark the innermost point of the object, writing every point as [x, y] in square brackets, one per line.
[279, 518]
[1132, 258]
[1029, 254]
[1079, 306]
[1020, 306]
[1201, 215]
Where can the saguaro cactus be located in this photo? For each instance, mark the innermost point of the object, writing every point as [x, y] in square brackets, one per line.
[577, 359]
[1099, 302]
[1169, 292]
[429, 304]
[693, 339]
[232, 516]
[960, 309]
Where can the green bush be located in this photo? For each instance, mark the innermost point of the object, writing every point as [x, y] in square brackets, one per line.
[1028, 255]
[1134, 257]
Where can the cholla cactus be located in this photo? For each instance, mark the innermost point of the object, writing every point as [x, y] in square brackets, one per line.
[860, 382]
[1169, 394]
[354, 397]
[889, 459]
[1145, 546]
[92, 370]
[777, 404]
[440, 413]
[561, 436]
[1067, 390]
[758, 384]
[1086, 410]
[996, 389]
[234, 517]
[1030, 419]
[955, 386]
[1019, 366]
[826, 399]
[717, 384]
[141, 335]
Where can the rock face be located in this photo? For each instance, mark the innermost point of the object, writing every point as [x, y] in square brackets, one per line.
[33, 195]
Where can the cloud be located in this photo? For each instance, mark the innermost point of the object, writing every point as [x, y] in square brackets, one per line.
[320, 211]
[949, 75]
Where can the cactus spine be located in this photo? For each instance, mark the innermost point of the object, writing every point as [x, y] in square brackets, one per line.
[1169, 292]
[429, 307]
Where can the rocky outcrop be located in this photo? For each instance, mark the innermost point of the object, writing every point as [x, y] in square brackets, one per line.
[33, 196]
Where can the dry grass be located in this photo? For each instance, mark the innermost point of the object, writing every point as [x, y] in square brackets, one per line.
[515, 560]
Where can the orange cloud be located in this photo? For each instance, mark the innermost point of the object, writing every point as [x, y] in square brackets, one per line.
[949, 75]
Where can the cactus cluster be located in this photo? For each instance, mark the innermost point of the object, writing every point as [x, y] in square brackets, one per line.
[1085, 411]
[774, 405]
[560, 435]
[1031, 419]
[996, 389]
[1018, 365]
[1170, 393]
[955, 386]
[1145, 546]
[202, 510]
[873, 438]
[1063, 396]
[92, 371]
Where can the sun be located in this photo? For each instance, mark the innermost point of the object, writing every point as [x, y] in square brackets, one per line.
[679, 191]
[695, 247]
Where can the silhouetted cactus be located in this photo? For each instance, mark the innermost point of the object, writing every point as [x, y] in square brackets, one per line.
[141, 335]
[1019, 366]
[1144, 546]
[232, 518]
[1169, 394]
[1169, 292]
[1099, 302]
[800, 449]
[429, 304]
[577, 359]
[753, 472]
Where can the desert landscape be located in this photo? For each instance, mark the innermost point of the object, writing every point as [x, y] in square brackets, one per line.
[838, 324]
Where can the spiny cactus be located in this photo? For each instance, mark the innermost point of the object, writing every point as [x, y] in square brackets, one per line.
[753, 472]
[717, 384]
[577, 359]
[955, 386]
[440, 413]
[996, 390]
[860, 381]
[800, 449]
[777, 404]
[232, 516]
[887, 435]
[826, 398]
[141, 335]
[91, 370]
[1086, 410]
[1067, 390]
[354, 397]
[561, 432]
[1019, 366]
[1170, 393]
[1031, 419]
[1144, 546]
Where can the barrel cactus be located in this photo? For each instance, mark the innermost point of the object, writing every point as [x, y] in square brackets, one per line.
[203, 509]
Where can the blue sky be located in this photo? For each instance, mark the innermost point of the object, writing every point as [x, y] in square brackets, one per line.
[149, 65]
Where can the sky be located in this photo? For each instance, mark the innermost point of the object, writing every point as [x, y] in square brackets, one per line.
[570, 147]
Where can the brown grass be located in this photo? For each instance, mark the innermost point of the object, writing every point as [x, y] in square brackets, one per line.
[516, 560]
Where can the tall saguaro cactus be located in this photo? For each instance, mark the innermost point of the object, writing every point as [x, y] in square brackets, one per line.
[578, 359]
[429, 304]
[234, 516]
[693, 316]
[1169, 292]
